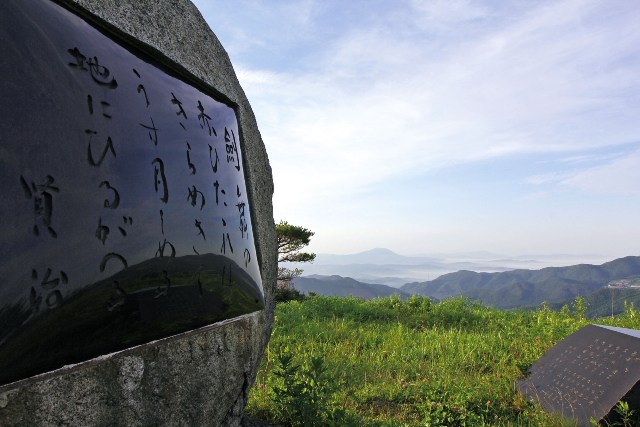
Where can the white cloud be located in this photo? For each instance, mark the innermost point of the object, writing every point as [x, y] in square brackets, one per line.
[446, 16]
[379, 106]
[548, 178]
[431, 84]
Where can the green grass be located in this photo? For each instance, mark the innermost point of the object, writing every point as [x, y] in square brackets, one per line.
[386, 362]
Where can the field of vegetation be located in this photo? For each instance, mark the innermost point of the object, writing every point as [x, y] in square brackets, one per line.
[386, 362]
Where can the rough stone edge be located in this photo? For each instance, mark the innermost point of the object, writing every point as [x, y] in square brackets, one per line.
[48, 401]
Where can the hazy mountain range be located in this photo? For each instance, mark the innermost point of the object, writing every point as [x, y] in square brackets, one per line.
[383, 266]
[506, 288]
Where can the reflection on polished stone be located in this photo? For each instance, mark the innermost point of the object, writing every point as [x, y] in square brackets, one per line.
[141, 303]
[126, 216]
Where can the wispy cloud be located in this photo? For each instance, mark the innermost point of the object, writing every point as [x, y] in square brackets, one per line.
[352, 95]
[619, 176]
[378, 103]
[605, 173]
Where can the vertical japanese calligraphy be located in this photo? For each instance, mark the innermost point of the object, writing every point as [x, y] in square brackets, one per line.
[128, 217]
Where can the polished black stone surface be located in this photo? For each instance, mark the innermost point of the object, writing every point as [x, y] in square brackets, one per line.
[587, 373]
[124, 215]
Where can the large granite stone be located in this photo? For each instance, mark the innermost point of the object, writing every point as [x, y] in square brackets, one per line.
[199, 377]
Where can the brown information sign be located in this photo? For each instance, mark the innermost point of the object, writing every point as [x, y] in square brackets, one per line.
[587, 373]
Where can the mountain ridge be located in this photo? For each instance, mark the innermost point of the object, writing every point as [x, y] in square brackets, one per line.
[527, 288]
[336, 285]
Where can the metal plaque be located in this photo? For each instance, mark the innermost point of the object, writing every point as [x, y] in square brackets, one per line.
[124, 215]
[587, 373]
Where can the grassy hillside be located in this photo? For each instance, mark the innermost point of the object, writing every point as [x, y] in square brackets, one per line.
[387, 362]
[528, 288]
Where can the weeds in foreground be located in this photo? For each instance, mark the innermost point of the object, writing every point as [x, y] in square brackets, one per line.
[387, 362]
[303, 396]
[621, 416]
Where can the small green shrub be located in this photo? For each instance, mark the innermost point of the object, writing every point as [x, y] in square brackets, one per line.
[303, 397]
[288, 293]
[621, 416]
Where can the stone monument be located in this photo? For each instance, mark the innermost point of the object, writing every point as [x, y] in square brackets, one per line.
[138, 243]
[587, 373]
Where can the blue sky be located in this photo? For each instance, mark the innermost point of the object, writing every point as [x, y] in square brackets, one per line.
[446, 126]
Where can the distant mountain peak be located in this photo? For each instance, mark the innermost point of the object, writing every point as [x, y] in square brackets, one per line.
[378, 251]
